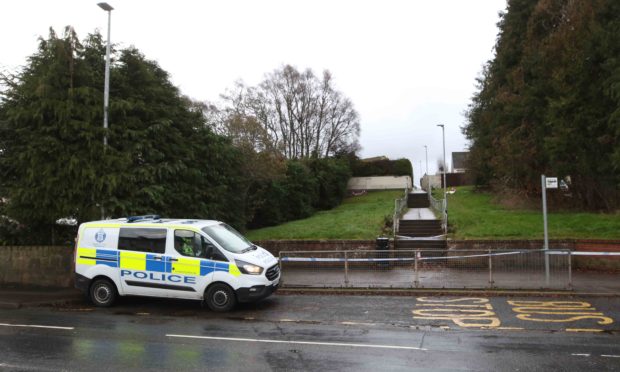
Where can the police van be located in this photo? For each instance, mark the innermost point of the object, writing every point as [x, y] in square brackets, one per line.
[177, 258]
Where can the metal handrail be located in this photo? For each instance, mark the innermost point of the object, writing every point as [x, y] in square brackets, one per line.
[400, 205]
[439, 206]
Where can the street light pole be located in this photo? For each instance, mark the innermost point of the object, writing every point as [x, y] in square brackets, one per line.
[445, 185]
[106, 85]
[428, 180]
[420, 173]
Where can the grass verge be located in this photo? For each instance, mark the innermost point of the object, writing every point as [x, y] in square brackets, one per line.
[358, 217]
[474, 215]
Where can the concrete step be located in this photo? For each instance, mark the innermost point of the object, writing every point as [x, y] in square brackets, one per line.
[415, 234]
[418, 204]
[420, 222]
[420, 234]
[422, 229]
[417, 200]
[421, 244]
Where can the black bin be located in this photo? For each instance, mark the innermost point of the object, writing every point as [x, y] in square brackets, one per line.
[383, 247]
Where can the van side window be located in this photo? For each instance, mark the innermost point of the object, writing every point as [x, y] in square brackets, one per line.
[191, 244]
[214, 254]
[188, 243]
[142, 240]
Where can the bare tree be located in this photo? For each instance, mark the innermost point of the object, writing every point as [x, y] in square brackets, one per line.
[302, 116]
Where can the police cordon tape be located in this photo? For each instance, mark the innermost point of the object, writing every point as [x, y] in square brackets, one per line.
[436, 237]
[419, 258]
[577, 253]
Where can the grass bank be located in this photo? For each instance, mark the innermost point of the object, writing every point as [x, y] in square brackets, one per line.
[358, 217]
[474, 215]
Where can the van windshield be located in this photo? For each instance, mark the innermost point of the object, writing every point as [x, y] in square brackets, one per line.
[228, 238]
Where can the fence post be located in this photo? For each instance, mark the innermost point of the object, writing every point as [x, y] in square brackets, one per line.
[280, 263]
[416, 281]
[346, 269]
[490, 269]
[570, 270]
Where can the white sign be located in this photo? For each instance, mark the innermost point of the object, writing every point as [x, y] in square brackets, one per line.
[551, 182]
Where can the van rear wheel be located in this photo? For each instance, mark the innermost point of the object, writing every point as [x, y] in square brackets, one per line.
[103, 293]
[220, 297]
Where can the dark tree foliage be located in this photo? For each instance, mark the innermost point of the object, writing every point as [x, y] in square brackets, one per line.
[162, 157]
[305, 187]
[398, 167]
[549, 102]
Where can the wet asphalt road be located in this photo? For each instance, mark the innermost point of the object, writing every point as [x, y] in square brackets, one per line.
[344, 333]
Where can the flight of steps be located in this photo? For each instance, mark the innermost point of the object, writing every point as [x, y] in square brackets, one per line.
[417, 200]
[420, 229]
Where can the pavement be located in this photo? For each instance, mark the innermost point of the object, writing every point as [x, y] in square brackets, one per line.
[419, 214]
[445, 280]
[370, 283]
[17, 297]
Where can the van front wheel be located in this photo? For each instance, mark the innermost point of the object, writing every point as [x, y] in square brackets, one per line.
[220, 297]
[102, 293]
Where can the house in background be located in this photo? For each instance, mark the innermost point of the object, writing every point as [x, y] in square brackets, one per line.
[457, 177]
[459, 162]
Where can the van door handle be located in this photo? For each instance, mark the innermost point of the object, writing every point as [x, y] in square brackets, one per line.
[173, 259]
[157, 258]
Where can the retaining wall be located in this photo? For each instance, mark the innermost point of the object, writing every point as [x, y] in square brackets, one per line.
[599, 263]
[46, 266]
[52, 266]
[276, 246]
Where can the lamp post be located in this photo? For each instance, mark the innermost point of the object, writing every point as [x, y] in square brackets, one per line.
[420, 172]
[428, 181]
[106, 85]
[445, 185]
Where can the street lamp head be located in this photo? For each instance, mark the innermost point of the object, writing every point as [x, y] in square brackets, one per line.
[440, 125]
[105, 6]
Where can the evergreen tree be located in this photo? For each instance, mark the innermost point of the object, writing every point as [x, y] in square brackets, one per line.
[162, 157]
[549, 101]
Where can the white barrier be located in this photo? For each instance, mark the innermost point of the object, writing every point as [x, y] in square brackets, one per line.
[315, 259]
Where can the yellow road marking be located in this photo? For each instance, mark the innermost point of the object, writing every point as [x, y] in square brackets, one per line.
[465, 312]
[557, 311]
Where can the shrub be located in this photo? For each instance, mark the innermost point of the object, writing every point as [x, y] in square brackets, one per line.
[398, 167]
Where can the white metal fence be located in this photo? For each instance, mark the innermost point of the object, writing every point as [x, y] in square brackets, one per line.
[439, 207]
[427, 268]
[400, 205]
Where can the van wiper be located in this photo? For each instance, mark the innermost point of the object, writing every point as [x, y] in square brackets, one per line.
[253, 247]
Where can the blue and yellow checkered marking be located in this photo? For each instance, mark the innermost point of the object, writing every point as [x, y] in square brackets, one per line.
[148, 262]
[107, 257]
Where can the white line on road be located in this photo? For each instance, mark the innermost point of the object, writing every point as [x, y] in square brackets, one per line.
[610, 356]
[34, 326]
[585, 355]
[23, 367]
[300, 342]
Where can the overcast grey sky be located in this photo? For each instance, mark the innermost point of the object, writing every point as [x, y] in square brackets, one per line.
[407, 65]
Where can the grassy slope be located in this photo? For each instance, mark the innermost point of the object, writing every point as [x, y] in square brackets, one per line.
[474, 215]
[359, 217]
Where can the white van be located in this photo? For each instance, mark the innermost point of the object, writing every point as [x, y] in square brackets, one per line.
[189, 259]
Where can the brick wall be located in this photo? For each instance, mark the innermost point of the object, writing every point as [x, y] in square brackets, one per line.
[51, 266]
[276, 246]
[510, 244]
[599, 263]
[605, 263]
[46, 266]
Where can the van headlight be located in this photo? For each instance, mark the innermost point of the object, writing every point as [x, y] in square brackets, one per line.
[248, 268]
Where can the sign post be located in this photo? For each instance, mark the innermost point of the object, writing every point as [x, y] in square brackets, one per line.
[546, 183]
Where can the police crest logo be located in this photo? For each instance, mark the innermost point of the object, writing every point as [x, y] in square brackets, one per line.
[100, 236]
